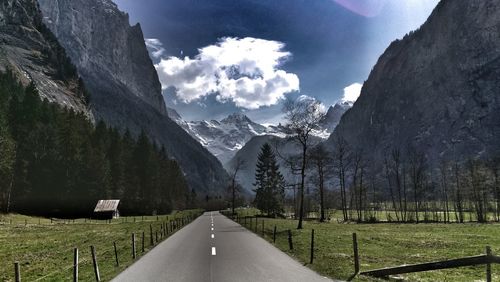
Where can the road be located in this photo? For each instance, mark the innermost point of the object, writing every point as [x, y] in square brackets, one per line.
[215, 248]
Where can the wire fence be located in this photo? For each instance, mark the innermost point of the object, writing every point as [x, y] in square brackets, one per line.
[46, 265]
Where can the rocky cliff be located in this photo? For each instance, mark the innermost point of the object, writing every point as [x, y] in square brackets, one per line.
[32, 52]
[104, 47]
[436, 89]
[112, 58]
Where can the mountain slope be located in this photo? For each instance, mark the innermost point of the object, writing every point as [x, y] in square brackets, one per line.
[112, 58]
[437, 89]
[226, 137]
[30, 51]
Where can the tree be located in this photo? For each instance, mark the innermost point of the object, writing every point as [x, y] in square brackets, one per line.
[7, 151]
[303, 116]
[342, 158]
[237, 166]
[417, 162]
[269, 183]
[321, 160]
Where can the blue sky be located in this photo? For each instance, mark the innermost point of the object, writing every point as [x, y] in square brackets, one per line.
[216, 57]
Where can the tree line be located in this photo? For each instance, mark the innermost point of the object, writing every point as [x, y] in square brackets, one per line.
[404, 187]
[55, 161]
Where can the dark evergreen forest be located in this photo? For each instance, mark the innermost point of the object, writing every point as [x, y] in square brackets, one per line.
[56, 162]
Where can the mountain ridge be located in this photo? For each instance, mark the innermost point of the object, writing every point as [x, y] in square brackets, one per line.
[434, 90]
[112, 58]
[226, 137]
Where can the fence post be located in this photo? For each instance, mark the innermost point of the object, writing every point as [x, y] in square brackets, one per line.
[488, 265]
[312, 246]
[116, 255]
[133, 245]
[274, 234]
[256, 224]
[17, 271]
[75, 265]
[290, 242]
[151, 234]
[96, 266]
[262, 227]
[356, 256]
[142, 241]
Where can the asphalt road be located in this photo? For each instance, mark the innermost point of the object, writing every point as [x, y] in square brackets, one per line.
[222, 251]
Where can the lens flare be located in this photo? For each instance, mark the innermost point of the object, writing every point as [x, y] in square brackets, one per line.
[366, 8]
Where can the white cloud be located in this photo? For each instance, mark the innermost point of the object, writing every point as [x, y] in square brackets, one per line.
[244, 71]
[351, 92]
[155, 46]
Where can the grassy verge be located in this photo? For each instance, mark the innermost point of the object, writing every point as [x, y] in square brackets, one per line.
[45, 250]
[385, 245]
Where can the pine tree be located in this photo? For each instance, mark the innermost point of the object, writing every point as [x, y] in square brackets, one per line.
[269, 183]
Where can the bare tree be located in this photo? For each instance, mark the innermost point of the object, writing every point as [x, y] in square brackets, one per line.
[417, 162]
[359, 168]
[443, 168]
[302, 117]
[342, 158]
[321, 159]
[237, 166]
[458, 206]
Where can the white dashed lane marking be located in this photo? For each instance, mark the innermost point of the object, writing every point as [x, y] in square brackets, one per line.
[213, 236]
[213, 251]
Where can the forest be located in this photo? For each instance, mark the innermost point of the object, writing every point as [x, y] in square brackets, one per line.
[404, 186]
[56, 162]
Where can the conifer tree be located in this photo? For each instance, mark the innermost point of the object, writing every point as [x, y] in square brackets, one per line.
[269, 183]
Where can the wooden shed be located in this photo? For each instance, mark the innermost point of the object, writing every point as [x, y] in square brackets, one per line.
[107, 209]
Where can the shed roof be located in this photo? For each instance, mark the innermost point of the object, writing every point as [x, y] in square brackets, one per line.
[106, 205]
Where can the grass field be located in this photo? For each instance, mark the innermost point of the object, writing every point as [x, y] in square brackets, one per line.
[45, 250]
[385, 245]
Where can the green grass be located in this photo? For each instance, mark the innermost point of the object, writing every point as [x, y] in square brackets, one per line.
[387, 244]
[45, 250]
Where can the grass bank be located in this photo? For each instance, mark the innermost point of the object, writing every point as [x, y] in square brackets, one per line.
[44, 247]
[385, 245]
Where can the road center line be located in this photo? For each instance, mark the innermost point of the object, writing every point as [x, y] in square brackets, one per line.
[212, 229]
[213, 236]
[213, 251]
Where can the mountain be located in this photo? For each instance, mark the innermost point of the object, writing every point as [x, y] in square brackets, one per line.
[222, 138]
[333, 115]
[113, 61]
[226, 137]
[436, 89]
[33, 54]
[286, 148]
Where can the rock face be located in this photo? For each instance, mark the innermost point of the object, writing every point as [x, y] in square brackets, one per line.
[333, 115]
[104, 47]
[125, 92]
[437, 89]
[31, 51]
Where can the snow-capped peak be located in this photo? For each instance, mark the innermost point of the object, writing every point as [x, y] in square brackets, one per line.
[225, 137]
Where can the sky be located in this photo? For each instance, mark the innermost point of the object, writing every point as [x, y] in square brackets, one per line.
[217, 57]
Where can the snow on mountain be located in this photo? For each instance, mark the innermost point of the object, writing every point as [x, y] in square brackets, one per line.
[226, 137]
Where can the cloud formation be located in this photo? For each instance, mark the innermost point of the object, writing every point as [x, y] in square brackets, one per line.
[351, 92]
[155, 46]
[244, 71]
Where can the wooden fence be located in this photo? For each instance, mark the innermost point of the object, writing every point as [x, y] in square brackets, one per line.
[162, 231]
[486, 259]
